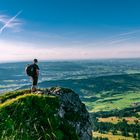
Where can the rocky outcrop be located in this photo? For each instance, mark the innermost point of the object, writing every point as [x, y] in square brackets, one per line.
[73, 111]
[48, 114]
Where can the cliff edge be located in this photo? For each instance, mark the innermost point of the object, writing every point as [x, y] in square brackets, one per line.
[50, 114]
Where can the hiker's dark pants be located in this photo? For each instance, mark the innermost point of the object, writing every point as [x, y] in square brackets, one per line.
[34, 80]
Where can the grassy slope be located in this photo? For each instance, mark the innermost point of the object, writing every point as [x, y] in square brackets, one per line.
[117, 101]
[27, 116]
[111, 92]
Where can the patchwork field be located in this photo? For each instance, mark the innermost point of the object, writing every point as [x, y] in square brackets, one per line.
[109, 136]
[115, 110]
[115, 120]
[117, 101]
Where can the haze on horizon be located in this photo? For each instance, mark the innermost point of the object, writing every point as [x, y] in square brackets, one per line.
[72, 29]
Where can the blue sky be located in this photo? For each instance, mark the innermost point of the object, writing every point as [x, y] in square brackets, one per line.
[69, 29]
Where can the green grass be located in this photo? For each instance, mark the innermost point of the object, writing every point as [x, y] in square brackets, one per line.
[14, 94]
[117, 101]
[27, 116]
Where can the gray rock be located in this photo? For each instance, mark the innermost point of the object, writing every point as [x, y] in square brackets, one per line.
[73, 111]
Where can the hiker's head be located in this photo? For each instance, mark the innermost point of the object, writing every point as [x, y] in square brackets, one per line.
[35, 61]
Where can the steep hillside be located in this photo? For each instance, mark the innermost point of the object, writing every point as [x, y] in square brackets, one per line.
[51, 114]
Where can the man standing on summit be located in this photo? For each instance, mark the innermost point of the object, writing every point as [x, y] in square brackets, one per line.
[32, 70]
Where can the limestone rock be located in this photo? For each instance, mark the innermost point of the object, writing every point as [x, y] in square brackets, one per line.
[73, 111]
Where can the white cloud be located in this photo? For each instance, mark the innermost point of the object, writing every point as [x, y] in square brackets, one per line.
[10, 22]
[19, 51]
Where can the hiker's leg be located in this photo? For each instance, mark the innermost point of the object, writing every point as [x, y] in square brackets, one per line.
[34, 84]
[33, 88]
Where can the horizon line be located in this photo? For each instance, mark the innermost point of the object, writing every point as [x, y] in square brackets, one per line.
[55, 60]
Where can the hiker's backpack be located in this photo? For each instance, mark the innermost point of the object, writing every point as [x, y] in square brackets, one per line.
[30, 70]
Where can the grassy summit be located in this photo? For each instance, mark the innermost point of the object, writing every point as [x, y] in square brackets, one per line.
[27, 116]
